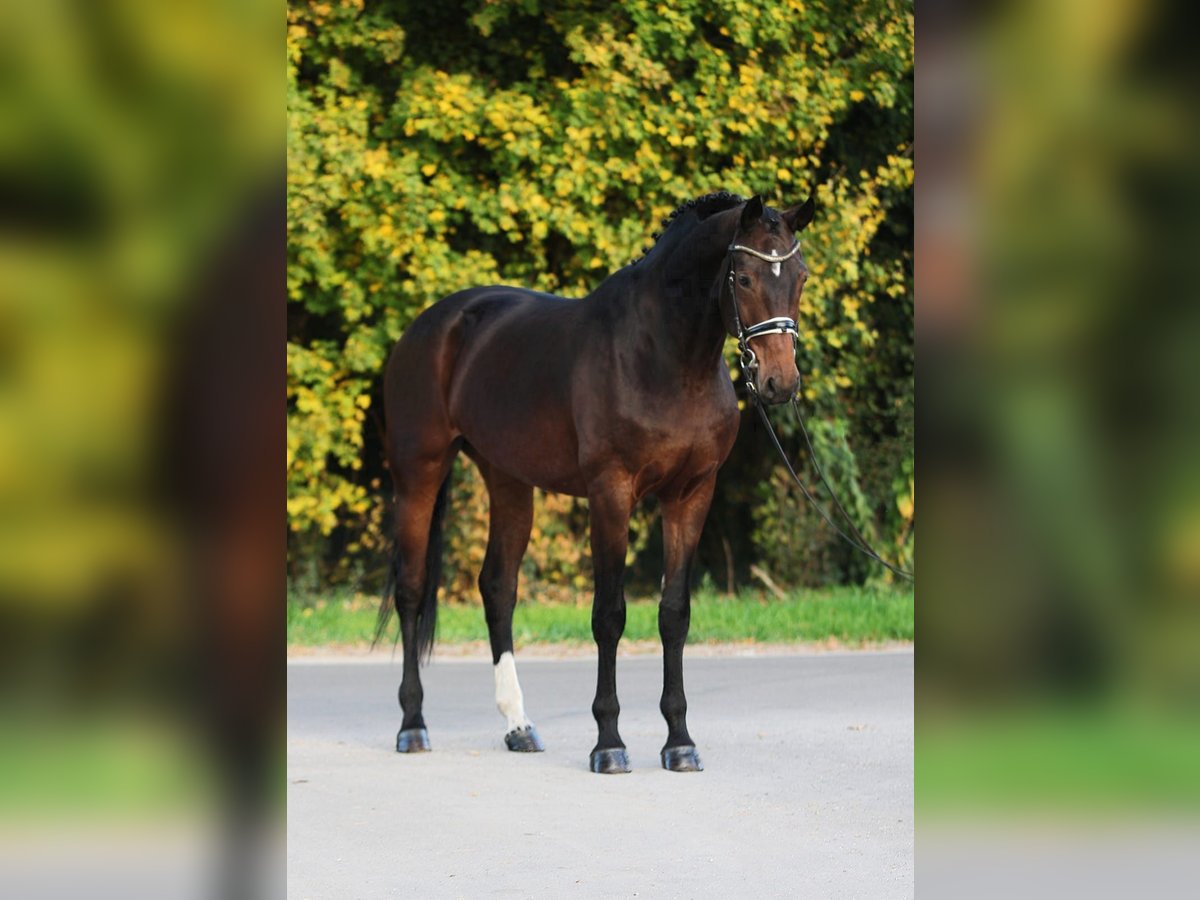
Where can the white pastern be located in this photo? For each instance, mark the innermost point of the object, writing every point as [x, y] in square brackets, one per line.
[509, 699]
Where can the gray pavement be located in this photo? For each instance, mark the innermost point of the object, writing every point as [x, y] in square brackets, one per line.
[807, 790]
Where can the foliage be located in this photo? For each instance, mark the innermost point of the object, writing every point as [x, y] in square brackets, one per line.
[435, 147]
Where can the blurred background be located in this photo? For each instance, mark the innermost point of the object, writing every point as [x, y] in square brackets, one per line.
[540, 144]
[141, 297]
[140, 283]
[1058, 679]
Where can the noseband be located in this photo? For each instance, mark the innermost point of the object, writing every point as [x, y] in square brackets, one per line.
[777, 325]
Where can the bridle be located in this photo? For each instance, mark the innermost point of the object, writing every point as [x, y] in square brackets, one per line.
[749, 364]
[776, 325]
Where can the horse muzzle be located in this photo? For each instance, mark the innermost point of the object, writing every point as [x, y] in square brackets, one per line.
[775, 390]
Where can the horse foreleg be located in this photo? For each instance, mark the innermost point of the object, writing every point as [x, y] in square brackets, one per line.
[610, 507]
[683, 520]
[510, 520]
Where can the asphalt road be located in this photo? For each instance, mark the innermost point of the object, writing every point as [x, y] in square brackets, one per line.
[807, 788]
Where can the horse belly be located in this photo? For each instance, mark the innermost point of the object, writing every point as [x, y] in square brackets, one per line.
[520, 423]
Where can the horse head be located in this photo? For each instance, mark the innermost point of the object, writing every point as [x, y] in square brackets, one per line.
[760, 295]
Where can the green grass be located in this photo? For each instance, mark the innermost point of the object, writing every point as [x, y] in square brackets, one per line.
[1059, 757]
[849, 615]
[112, 765]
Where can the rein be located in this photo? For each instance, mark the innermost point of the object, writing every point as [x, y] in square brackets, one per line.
[858, 542]
[749, 365]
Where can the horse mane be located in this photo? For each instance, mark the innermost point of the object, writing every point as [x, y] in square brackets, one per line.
[703, 207]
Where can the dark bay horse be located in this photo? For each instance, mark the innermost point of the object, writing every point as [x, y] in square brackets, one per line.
[615, 397]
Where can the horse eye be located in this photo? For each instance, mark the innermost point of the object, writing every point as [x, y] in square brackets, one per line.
[744, 280]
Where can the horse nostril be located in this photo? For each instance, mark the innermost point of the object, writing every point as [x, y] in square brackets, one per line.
[771, 386]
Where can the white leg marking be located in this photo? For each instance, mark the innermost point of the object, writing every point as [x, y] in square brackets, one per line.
[509, 699]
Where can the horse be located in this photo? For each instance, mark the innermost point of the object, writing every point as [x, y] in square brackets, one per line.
[616, 397]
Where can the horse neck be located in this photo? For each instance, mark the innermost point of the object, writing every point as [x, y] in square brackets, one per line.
[686, 316]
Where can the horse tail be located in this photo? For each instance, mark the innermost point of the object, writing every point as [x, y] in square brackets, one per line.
[427, 611]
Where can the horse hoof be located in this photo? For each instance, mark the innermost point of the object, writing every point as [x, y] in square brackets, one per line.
[613, 761]
[524, 740]
[413, 740]
[681, 759]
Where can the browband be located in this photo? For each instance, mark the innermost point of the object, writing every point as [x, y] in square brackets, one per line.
[763, 256]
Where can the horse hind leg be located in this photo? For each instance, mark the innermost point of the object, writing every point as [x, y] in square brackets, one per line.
[416, 572]
[510, 520]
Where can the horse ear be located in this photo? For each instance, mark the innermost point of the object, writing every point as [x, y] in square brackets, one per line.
[751, 212]
[799, 216]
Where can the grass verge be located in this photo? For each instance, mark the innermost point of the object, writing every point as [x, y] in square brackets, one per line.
[1063, 758]
[852, 616]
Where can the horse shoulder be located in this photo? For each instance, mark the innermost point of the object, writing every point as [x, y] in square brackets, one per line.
[724, 417]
